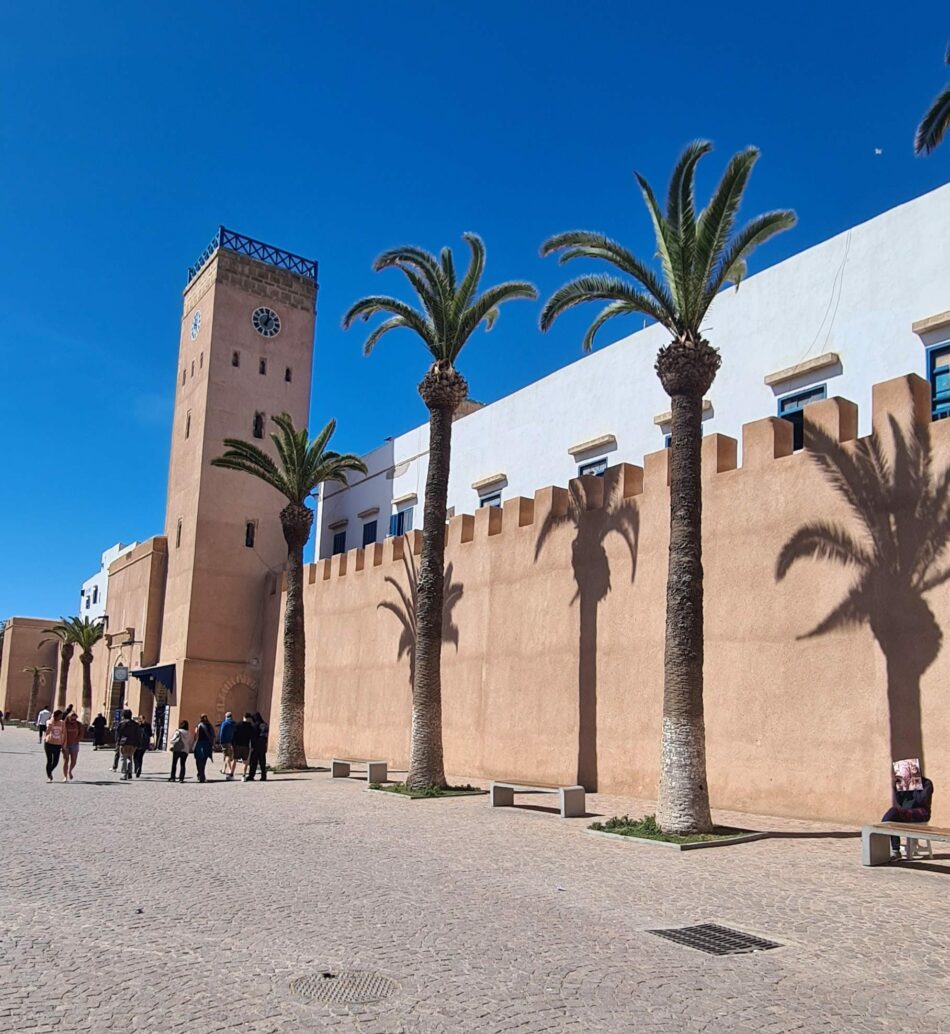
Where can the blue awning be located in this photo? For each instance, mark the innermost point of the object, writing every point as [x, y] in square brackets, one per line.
[163, 673]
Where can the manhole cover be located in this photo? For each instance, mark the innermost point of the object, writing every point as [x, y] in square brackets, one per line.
[716, 940]
[356, 988]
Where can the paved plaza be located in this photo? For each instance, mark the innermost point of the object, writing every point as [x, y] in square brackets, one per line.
[146, 906]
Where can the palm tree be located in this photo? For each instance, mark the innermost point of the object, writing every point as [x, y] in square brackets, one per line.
[405, 610]
[591, 570]
[450, 312]
[39, 673]
[934, 125]
[698, 255]
[87, 633]
[3, 629]
[897, 552]
[303, 465]
[65, 632]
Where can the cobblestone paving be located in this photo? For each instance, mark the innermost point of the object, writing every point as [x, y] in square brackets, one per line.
[146, 906]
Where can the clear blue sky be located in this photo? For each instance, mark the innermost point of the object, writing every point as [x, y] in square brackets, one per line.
[130, 131]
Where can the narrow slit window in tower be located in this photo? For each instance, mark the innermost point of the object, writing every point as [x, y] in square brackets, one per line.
[178, 534]
[250, 529]
[258, 425]
[288, 375]
[188, 424]
[235, 358]
[262, 366]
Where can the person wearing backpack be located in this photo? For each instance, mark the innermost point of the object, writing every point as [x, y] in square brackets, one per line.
[181, 746]
[145, 739]
[53, 744]
[127, 737]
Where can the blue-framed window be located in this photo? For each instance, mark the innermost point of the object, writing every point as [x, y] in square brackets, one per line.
[790, 408]
[490, 500]
[369, 533]
[401, 522]
[938, 373]
[594, 468]
[339, 541]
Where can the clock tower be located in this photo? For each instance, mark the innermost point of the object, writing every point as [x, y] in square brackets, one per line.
[245, 354]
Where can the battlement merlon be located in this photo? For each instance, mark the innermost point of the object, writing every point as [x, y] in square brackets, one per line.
[764, 442]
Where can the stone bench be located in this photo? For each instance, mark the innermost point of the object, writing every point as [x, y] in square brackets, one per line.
[572, 798]
[376, 771]
[875, 840]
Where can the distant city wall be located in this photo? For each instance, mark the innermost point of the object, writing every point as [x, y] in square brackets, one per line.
[553, 659]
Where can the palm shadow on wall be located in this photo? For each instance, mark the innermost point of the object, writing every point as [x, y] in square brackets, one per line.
[405, 610]
[896, 547]
[592, 523]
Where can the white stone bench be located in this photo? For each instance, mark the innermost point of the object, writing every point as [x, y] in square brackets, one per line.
[572, 798]
[376, 771]
[875, 840]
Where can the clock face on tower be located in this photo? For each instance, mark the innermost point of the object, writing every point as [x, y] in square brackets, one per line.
[266, 322]
[195, 324]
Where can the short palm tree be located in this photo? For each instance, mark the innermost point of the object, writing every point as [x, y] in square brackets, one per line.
[39, 673]
[65, 633]
[450, 311]
[699, 254]
[302, 466]
[934, 125]
[87, 633]
[896, 547]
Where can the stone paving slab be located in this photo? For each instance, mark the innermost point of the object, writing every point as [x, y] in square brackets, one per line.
[152, 907]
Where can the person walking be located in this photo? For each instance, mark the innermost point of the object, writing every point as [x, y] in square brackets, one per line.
[53, 744]
[145, 740]
[41, 719]
[204, 745]
[241, 741]
[99, 724]
[181, 746]
[226, 739]
[74, 733]
[127, 740]
[258, 749]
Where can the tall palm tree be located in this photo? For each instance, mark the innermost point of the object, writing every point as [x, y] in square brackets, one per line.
[591, 570]
[39, 673]
[450, 311]
[897, 551]
[303, 464]
[65, 633]
[405, 610]
[698, 255]
[87, 633]
[934, 125]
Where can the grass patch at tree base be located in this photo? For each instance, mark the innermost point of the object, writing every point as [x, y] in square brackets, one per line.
[428, 791]
[648, 829]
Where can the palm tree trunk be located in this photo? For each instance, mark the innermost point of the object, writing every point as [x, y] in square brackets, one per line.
[85, 659]
[291, 753]
[683, 805]
[34, 693]
[426, 765]
[65, 657]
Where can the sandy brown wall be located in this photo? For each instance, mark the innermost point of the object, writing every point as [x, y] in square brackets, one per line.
[553, 664]
[22, 649]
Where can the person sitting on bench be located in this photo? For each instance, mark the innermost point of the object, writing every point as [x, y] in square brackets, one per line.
[910, 805]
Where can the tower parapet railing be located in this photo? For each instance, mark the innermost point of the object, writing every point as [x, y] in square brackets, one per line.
[242, 245]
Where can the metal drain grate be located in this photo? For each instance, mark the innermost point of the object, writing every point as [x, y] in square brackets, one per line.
[355, 988]
[716, 940]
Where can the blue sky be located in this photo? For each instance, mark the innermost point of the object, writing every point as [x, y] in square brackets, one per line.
[129, 132]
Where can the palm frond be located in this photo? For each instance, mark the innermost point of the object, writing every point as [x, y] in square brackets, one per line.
[666, 248]
[602, 287]
[934, 125]
[485, 308]
[821, 540]
[731, 266]
[851, 612]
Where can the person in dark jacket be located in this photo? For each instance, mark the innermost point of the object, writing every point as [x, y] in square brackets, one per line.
[242, 739]
[127, 737]
[909, 806]
[99, 724]
[258, 749]
[204, 745]
[145, 739]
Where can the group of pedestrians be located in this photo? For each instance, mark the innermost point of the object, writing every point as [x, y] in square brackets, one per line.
[61, 732]
[61, 735]
[244, 741]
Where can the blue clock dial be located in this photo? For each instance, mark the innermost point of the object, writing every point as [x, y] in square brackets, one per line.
[195, 324]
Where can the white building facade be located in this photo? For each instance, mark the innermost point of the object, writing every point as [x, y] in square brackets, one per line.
[867, 305]
[92, 597]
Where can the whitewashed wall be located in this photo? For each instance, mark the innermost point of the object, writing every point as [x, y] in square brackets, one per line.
[100, 581]
[856, 294]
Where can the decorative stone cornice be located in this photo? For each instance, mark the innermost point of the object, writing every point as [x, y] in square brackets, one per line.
[602, 441]
[368, 512]
[800, 369]
[489, 481]
[409, 497]
[942, 319]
